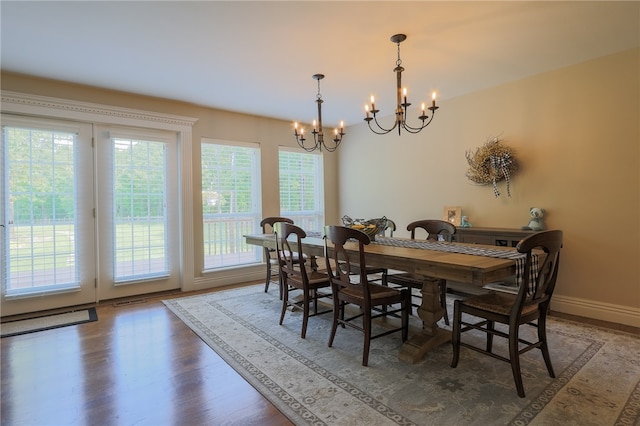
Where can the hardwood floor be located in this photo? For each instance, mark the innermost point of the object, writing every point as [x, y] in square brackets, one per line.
[138, 364]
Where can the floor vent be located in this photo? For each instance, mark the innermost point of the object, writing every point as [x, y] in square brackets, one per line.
[129, 302]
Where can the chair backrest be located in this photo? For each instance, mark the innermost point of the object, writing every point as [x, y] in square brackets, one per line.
[433, 227]
[291, 261]
[540, 291]
[339, 263]
[267, 225]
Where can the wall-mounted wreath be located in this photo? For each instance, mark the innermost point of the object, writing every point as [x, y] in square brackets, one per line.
[491, 163]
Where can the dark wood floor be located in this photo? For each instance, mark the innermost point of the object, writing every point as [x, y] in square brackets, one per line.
[138, 364]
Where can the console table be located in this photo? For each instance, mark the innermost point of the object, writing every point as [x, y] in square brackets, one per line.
[504, 237]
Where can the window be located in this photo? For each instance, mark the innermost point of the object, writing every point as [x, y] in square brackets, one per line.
[302, 188]
[231, 203]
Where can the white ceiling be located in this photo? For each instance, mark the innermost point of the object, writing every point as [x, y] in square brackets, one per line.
[258, 57]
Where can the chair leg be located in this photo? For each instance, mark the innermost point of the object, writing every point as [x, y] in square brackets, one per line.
[406, 307]
[455, 334]
[514, 357]
[334, 325]
[443, 300]
[305, 313]
[285, 303]
[366, 325]
[542, 336]
[315, 301]
[266, 284]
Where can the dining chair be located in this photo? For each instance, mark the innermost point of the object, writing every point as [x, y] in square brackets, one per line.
[270, 254]
[529, 306]
[435, 230]
[379, 273]
[366, 295]
[296, 276]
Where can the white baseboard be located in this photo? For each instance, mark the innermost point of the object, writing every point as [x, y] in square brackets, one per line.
[601, 311]
[227, 277]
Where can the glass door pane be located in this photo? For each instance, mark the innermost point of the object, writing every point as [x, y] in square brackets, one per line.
[140, 246]
[47, 213]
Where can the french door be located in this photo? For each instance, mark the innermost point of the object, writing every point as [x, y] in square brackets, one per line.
[137, 214]
[48, 234]
[87, 213]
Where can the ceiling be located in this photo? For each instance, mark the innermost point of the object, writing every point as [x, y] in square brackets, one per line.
[259, 57]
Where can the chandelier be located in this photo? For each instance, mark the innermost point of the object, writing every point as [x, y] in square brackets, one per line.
[402, 104]
[317, 132]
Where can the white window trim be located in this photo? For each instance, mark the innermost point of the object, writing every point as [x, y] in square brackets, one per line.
[43, 106]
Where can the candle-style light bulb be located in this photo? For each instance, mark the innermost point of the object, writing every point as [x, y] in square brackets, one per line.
[373, 104]
[366, 109]
[314, 124]
[341, 125]
[423, 108]
[433, 97]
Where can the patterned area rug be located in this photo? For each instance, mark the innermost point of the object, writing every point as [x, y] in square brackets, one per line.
[598, 370]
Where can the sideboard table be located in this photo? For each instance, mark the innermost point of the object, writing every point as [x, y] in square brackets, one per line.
[504, 237]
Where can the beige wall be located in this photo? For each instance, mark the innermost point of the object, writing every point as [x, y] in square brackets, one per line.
[576, 134]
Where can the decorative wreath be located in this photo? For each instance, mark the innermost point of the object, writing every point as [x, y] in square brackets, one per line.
[491, 163]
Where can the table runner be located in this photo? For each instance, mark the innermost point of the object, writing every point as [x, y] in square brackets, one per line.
[520, 258]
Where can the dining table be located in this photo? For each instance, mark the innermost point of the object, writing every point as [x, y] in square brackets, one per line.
[467, 263]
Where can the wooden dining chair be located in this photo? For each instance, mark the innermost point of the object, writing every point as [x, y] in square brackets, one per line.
[435, 229]
[529, 306]
[270, 254]
[366, 295]
[379, 274]
[296, 276]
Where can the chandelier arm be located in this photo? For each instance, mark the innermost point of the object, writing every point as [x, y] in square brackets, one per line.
[377, 132]
[336, 145]
[384, 131]
[308, 148]
[414, 130]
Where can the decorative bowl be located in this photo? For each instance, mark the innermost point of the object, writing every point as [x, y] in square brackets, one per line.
[371, 227]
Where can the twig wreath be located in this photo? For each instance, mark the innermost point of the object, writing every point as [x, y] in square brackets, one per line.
[491, 163]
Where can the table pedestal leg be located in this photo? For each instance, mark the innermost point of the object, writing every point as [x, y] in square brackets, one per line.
[430, 312]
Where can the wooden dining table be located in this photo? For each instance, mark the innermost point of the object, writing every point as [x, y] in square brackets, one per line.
[433, 265]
